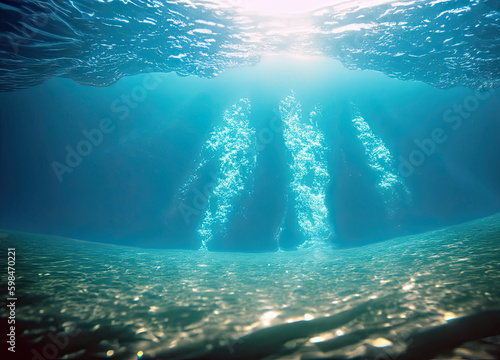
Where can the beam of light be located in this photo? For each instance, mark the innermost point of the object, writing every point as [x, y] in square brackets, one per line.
[308, 171]
[233, 144]
[390, 186]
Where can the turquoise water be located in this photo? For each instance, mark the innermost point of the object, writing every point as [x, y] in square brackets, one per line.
[185, 304]
[250, 180]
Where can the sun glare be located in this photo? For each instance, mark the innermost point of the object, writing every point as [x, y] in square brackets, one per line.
[287, 8]
[280, 7]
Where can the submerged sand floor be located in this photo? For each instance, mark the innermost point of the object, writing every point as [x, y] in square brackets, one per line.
[106, 301]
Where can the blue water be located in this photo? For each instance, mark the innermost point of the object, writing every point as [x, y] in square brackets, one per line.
[328, 159]
[157, 179]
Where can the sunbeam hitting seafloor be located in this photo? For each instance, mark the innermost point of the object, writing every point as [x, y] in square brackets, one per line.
[427, 296]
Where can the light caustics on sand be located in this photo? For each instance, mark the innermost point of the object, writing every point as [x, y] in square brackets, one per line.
[390, 186]
[233, 146]
[308, 171]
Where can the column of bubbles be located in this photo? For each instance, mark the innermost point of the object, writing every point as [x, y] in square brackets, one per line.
[233, 145]
[389, 185]
[308, 171]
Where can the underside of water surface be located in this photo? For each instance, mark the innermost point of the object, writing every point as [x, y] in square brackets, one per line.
[98, 42]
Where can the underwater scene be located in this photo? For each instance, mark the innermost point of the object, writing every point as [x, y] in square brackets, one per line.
[260, 179]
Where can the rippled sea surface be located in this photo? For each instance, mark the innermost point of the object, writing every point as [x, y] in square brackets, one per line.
[445, 43]
[104, 301]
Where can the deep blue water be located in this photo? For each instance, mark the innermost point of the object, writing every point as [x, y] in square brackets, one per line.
[149, 180]
[349, 124]
[359, 136]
